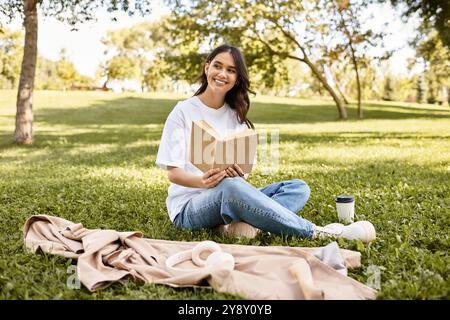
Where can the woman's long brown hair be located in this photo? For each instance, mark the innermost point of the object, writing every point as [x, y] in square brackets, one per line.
[237, 98]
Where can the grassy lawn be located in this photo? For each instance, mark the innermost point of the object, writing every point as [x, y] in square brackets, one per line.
[93, 162]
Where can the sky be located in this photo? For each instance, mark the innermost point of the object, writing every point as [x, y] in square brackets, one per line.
[84, 48]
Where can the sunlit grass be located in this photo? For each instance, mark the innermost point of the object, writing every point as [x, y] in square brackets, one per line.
[93, 162]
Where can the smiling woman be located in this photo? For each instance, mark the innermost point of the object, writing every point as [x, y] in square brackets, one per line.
[219, 197]
[222, 101]
[225, 79]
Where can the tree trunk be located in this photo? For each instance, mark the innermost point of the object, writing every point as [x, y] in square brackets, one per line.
[341, 109]
[24, 114]
[355, 63]
[342, 94]
[358, 83]
[339, 89]
[105, 85]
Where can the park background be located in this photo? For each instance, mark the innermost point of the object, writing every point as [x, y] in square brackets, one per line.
[359, 91]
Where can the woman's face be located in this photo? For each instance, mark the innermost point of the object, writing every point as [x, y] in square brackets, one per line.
[221, 73]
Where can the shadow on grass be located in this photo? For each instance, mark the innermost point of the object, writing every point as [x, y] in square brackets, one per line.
[103, 147]
[137, 147]
[141, 111]
[130, 140]
[360, 137]
[126, 111]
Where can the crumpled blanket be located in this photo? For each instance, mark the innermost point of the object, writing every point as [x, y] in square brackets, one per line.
[261, 272]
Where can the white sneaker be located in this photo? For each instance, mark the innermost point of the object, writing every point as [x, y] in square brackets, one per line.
[238, 229]
[360, 230]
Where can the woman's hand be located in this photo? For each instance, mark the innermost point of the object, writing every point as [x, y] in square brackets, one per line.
[235, 171]
[212, 177]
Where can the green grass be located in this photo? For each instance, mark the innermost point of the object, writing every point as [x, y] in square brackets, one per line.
[93, 162]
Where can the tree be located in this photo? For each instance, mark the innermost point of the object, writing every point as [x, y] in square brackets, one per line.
[340, 73]
[347, 17]
[10, 51]
[66, 71]
[437, 66]
[271, 30]
[71, 12]
[388, 89]
[155, 74]
[420, 89]
[47, 75]
[120, 68]
[433, 13]
[349, 40]
[140, 46]
[432, 44]
[180, 50]
[128, 47]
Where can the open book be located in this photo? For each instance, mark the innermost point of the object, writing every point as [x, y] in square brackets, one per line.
[209, 150]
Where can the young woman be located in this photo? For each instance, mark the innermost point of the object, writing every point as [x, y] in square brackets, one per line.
[199, 200]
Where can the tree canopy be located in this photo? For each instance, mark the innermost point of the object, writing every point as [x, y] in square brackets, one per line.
[435, 14]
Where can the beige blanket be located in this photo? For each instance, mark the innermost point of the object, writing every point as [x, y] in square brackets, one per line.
[274, 272]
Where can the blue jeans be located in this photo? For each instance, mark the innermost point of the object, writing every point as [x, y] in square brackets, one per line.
[271, 208]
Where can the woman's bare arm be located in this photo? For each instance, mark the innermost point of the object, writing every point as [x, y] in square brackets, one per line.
[209, 179]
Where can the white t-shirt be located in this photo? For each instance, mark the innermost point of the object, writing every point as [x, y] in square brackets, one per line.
[175, 143]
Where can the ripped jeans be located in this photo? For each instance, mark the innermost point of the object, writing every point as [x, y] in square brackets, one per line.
[271, 208]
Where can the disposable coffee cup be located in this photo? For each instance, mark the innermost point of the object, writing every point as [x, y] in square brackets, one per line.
[345, 206]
